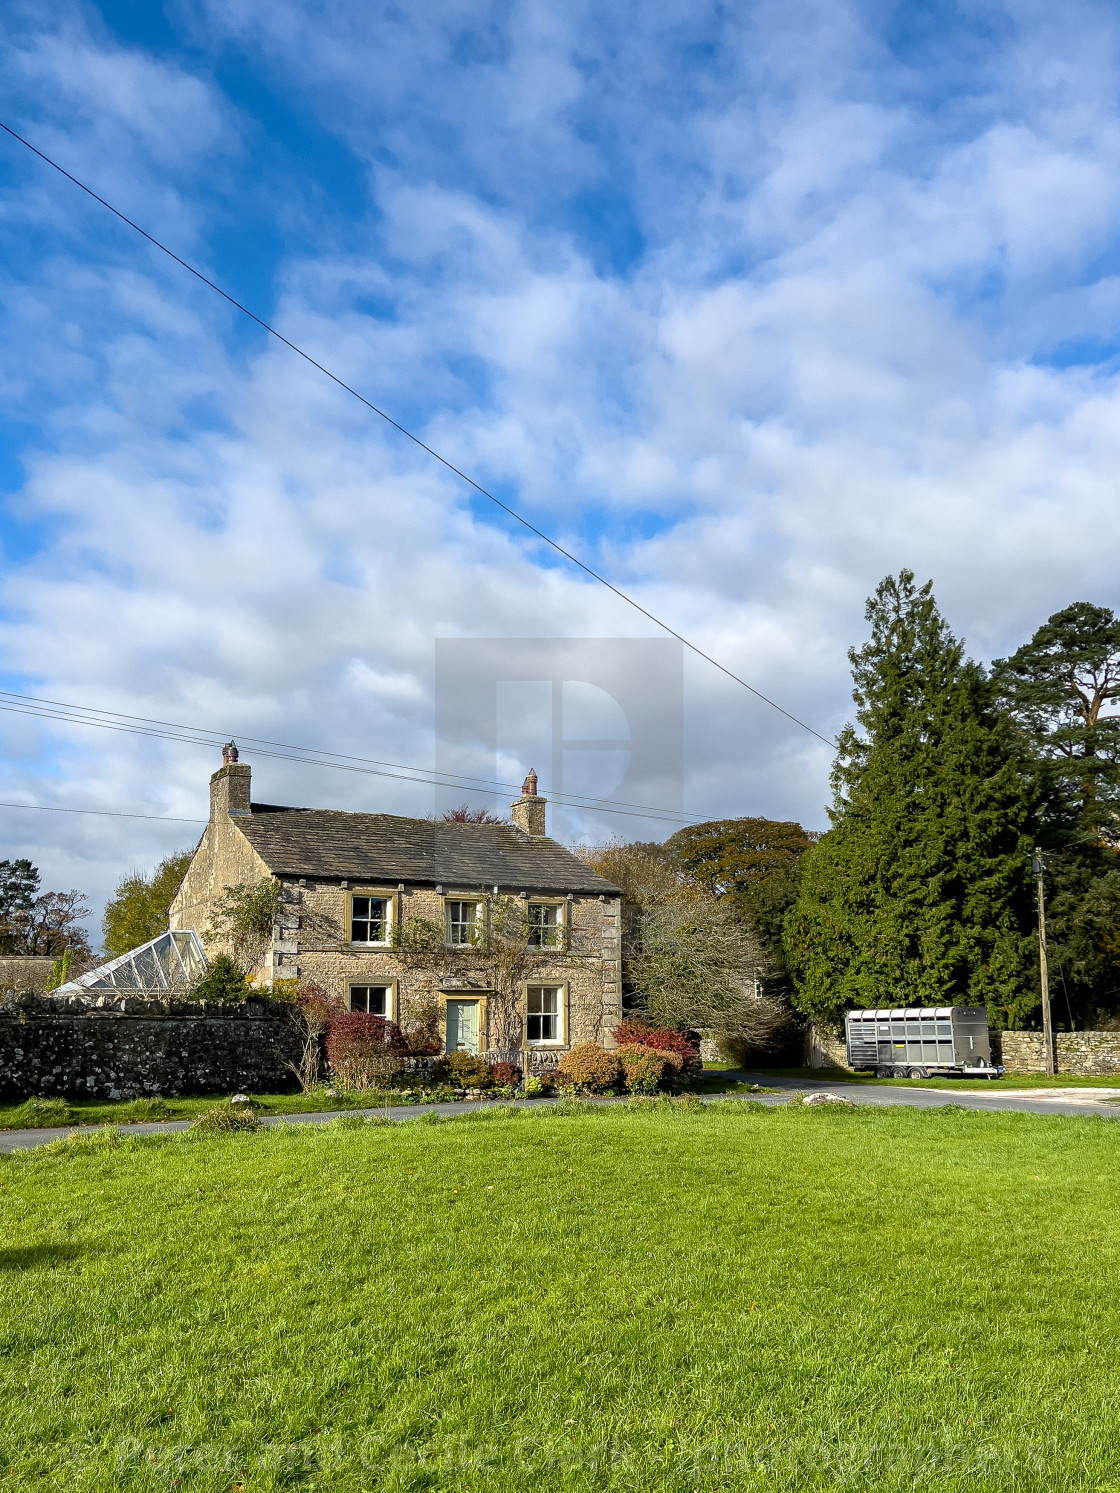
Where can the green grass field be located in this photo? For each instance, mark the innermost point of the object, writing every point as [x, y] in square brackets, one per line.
[186, 1107]
[657, 1297]
[189, 1107]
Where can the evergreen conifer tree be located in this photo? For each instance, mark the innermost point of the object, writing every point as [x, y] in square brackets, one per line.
[920, 894]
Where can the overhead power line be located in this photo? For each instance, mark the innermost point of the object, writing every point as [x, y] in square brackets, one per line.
[102, 813]
[451, 467]
[209, 736]
[106, 720]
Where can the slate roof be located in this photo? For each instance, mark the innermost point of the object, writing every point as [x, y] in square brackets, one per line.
[333, 845]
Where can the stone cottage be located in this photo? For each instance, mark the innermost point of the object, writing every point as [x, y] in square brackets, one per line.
[349, 880]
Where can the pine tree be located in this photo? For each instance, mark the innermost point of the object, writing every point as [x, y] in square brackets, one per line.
[1060, 688]
[919, 895]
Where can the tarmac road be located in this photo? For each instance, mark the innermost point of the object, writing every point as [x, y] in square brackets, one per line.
[1072, 1102]
[1081, 1101]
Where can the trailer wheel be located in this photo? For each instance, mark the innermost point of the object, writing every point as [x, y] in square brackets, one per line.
[916, 1073]
[884, 1070]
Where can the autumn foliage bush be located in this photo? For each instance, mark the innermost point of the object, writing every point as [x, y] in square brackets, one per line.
[505, 1075]
[662, 1038]
[642, 1067]
[590, 1067]
[364, 1050]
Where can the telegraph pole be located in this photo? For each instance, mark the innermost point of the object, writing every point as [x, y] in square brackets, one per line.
[1038, 865]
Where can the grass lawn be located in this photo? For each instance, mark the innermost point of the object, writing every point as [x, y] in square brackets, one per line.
[721, 1297]
[189, 1107]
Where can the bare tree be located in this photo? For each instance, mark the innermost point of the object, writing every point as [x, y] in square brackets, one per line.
[312, 1014]
[689, 962]
[50, 924]
[694, 964]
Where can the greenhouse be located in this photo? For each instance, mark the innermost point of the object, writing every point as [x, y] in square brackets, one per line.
[171, 964]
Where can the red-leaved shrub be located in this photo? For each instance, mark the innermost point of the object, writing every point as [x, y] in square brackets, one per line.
[505, 1074]
[364, 1050]
[660, 1037]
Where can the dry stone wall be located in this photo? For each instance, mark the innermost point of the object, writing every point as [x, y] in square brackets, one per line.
[131, 1047]
[1082, 1053]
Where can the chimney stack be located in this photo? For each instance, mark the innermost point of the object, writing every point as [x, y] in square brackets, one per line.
[529, 810]
[230, 785]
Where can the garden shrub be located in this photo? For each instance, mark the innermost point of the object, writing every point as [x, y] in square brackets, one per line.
[225, 980]
[144, 1109]
[663, 1038]
[364, 1051]
[467, 1070]
[506, 1075]
[589, 1067]
[39, 1114]
[240, 1121]
[642, 1067]
[421, 1030]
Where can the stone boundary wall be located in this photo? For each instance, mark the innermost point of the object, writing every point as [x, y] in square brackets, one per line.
[128, 1047]
[823, 1049]
[1084, 1053]
[25, 971]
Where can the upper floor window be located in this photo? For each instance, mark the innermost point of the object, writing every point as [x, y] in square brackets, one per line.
[462, 922]
[546, 923]
[369, 919]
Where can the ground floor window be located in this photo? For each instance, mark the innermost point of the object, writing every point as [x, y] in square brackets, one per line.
[374, 999]
[543, 1013]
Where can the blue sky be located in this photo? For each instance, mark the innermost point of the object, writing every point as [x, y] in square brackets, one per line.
[749, 304]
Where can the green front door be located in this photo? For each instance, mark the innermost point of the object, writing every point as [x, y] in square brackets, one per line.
[462, 1026]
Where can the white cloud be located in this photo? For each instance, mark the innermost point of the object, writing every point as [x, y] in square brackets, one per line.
[825, 360]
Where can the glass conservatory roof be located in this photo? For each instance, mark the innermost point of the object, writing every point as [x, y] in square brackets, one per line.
[174, 961]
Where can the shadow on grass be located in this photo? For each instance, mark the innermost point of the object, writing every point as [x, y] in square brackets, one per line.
[38, 1255]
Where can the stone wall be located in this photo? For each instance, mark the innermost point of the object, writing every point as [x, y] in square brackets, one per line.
[127, 1047]
[25, 971]
[1084, 1053]
[823, 1049]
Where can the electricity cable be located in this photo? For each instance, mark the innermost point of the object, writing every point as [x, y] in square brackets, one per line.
[660, 815]
[511, 512]
[103, 813]
[200, 736]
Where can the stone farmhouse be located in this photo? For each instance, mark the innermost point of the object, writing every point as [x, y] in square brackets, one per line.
[349, 880]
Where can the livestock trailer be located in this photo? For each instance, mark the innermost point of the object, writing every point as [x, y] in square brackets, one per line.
[920, 1041]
